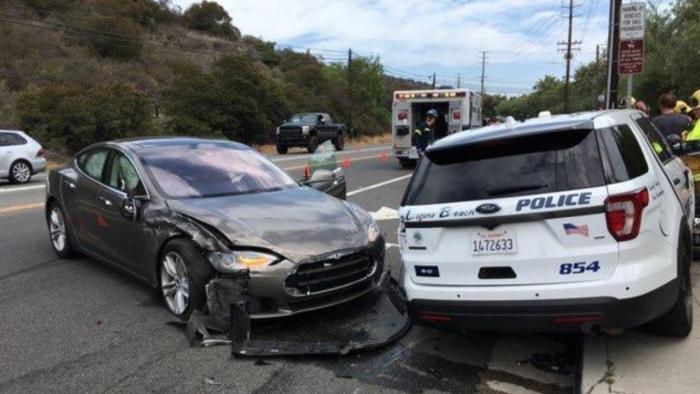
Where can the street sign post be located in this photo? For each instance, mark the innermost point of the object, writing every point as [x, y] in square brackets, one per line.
[631, 60]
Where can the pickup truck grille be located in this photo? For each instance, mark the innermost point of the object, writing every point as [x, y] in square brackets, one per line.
[326, 274]
[290, 131]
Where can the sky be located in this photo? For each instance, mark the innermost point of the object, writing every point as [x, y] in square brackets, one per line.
[416, 38]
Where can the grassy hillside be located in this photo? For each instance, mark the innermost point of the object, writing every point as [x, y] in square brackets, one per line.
[75, 72]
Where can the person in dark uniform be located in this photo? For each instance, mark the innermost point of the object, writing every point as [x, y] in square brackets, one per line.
[424, 134]
[670, 123]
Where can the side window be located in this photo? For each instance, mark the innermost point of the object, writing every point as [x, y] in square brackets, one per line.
[657, 141]
[623, 152]
[123, 175]
[93, 162]
[16, 139]
[4, 139]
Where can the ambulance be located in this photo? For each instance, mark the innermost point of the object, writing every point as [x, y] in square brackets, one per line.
[458, 109]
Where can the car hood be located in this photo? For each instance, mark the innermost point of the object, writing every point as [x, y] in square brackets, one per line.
[296, 223]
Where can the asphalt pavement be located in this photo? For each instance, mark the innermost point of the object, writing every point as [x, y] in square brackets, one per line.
[81, 326]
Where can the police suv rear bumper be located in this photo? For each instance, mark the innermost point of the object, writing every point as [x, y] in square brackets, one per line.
[562, 315]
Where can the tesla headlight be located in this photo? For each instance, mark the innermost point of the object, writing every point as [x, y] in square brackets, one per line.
[305, 130]
[238, 260]
[373, 232]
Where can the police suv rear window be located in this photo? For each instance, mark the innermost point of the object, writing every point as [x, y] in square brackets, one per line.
[532, 165]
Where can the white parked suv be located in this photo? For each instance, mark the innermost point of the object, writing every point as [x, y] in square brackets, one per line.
[20, 156]
[562, 223]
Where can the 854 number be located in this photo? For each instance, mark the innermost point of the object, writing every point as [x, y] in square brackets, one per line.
[578, 268]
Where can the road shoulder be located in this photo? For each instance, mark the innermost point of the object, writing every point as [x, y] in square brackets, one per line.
[639, 362]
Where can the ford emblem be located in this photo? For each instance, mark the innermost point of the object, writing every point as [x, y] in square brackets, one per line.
[488, 208]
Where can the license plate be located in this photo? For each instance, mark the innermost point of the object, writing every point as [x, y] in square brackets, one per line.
[493, 242]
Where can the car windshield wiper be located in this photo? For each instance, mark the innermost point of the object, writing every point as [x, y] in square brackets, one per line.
[500, 191]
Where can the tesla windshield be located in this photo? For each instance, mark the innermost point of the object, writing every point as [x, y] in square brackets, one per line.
[210, 170]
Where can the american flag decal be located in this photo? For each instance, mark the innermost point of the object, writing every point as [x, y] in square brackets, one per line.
[574, 229]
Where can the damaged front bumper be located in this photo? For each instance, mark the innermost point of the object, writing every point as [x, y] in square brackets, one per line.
[287, 288]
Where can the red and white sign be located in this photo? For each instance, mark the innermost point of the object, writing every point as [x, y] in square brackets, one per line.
[631, 57]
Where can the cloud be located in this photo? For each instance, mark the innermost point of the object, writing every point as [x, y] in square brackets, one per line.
[419, 36]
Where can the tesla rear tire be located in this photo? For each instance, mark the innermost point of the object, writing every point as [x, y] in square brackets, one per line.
[184, 273]
[678, 322]
[20, 172]
[58, 231]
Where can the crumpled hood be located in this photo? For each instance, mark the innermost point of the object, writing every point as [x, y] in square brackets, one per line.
[295, 223]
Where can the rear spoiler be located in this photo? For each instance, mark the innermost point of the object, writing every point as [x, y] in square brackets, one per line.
[523, 138]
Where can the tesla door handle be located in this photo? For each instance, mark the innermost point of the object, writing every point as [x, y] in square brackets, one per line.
[106, 201]
[71, 184]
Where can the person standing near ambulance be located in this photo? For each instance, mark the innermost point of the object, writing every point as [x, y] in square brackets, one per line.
[424, 134]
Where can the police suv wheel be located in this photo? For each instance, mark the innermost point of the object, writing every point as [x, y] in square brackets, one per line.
[282, 149]
[678, 322]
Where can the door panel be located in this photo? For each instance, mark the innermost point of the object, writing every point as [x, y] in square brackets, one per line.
[125, 237]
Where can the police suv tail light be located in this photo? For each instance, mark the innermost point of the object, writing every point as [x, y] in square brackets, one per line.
[456, 114]
[623, 214]
[403, 115]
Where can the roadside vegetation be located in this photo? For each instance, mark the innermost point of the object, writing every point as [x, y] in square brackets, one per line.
[671, 66]
[77, 72]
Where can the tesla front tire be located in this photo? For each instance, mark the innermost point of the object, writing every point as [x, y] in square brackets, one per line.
[58, 231]
[184, 273]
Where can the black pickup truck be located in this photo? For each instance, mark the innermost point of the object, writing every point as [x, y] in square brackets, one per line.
[309, 130]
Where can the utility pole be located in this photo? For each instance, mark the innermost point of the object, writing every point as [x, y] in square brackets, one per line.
[350, 91]
[459, 80]
[483, 73]
[613, 48]
[568, 56]
[433, 80]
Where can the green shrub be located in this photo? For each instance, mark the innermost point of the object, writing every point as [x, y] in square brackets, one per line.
[115, 37]
[67, 117]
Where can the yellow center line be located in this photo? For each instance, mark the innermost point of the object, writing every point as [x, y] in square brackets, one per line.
[350, 158]
[24, 207]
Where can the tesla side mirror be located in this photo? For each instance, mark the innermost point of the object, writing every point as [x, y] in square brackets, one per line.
[322, 176]
[131, 205]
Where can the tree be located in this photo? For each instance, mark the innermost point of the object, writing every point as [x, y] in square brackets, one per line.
[66, 117]
[212, 18]
[234, 100]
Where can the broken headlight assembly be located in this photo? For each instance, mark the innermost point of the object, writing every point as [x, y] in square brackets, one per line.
[241, 260]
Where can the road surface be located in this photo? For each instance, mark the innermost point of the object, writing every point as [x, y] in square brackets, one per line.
[79, 326]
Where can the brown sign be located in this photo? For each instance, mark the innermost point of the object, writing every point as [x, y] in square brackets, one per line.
[631, 57]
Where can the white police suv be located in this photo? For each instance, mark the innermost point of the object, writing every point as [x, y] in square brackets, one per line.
[563, 223]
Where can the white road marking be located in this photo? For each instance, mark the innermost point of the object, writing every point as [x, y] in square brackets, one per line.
[385, 213]
[278, 159]
[377, 185]
[390, 245]
[21, 188]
